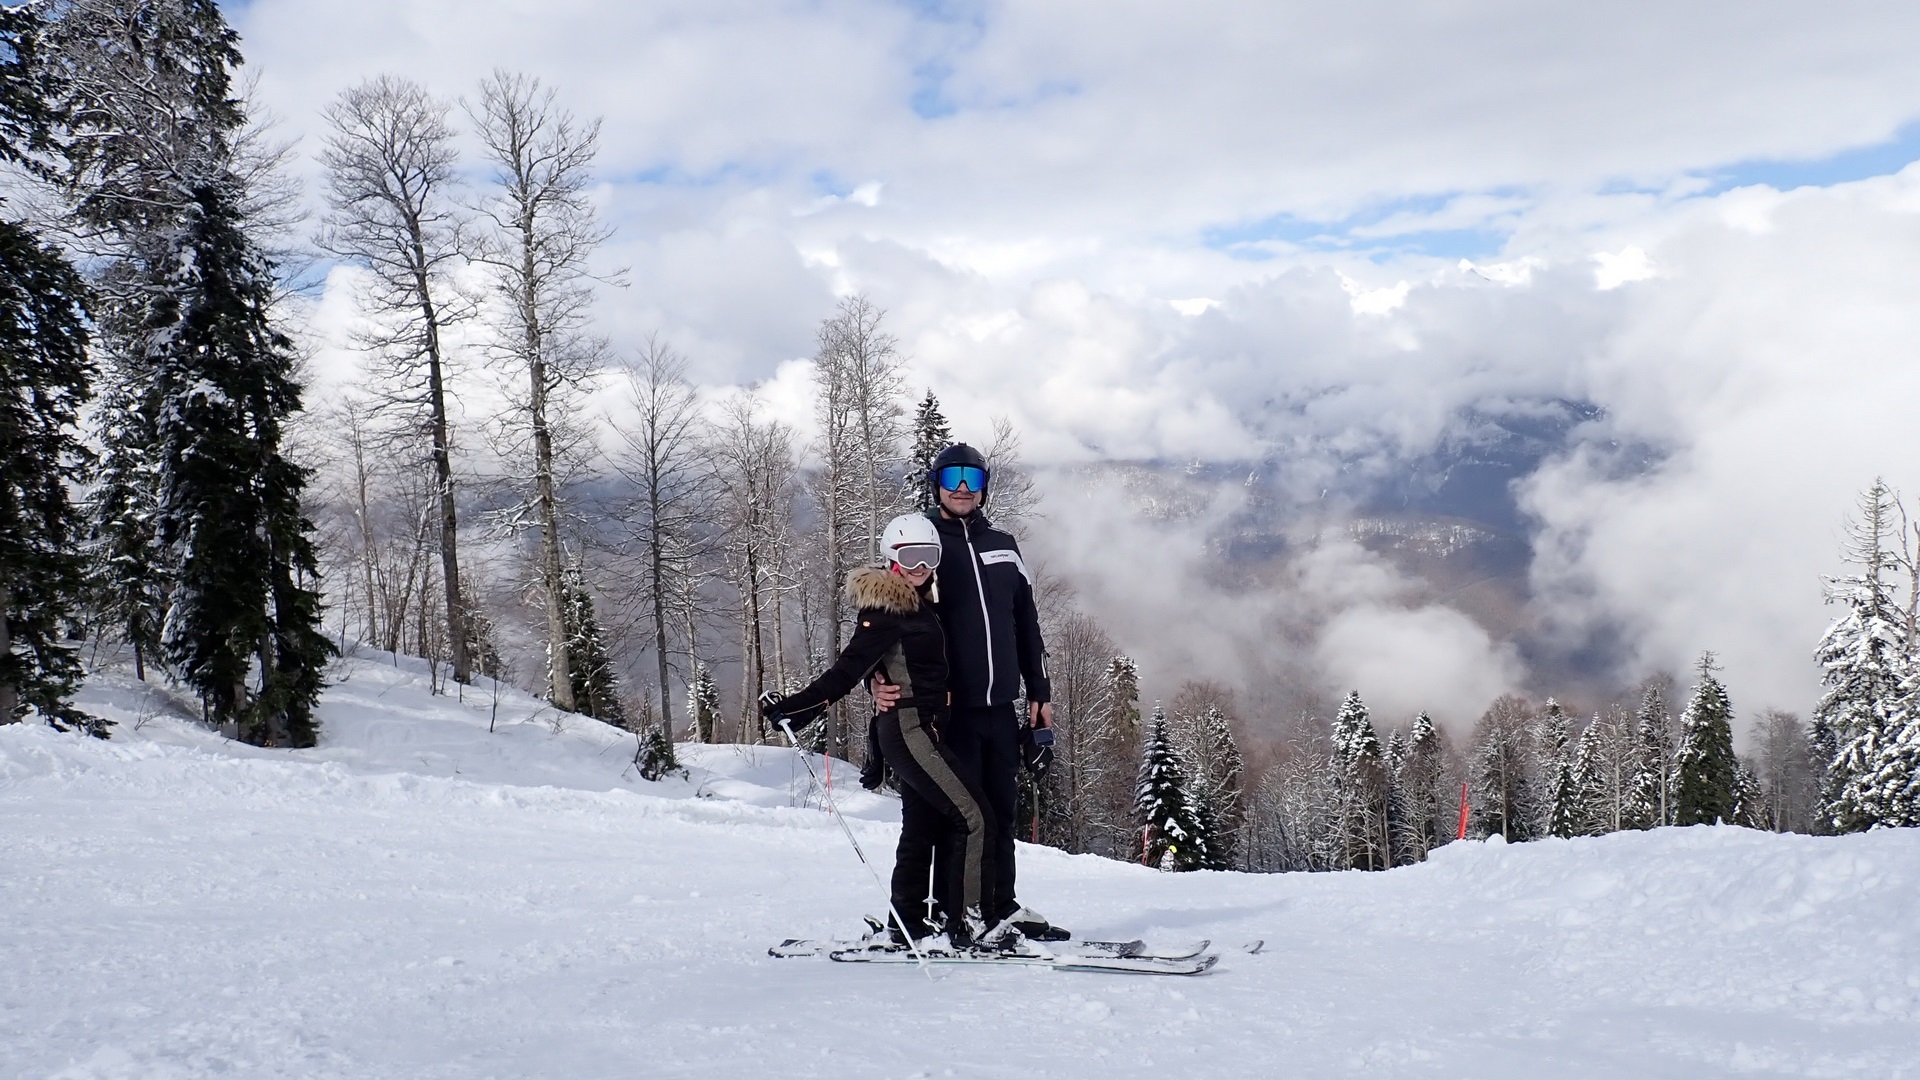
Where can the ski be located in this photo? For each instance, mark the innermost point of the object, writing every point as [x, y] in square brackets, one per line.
[1130, 965]
[1128, 950]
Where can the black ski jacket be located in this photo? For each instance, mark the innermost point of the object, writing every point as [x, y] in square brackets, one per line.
[986, 605]
[897, 635]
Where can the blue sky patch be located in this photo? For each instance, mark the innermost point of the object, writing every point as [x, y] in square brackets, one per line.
[1880, 159]
[1265, 238]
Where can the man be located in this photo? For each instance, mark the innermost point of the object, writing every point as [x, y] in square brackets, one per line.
[993, 646]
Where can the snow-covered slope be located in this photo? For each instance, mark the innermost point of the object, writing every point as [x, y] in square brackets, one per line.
[422, 898]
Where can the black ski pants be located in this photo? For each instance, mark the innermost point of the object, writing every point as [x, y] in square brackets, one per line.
[985, 743]
[942, 815]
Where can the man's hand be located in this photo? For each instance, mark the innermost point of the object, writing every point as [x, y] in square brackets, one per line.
[1041, 714]
[885, 694]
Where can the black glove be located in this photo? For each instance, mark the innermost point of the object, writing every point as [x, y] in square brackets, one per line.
[770, 707]
[1036, 749]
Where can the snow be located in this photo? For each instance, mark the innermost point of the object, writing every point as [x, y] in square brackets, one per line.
[420, 898]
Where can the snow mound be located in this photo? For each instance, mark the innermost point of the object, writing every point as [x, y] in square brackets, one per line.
[423, 897]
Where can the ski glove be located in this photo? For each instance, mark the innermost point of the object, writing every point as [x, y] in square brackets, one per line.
[773, 710]
[1036, 749]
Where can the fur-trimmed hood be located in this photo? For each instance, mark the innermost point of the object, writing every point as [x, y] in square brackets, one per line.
[875, 587]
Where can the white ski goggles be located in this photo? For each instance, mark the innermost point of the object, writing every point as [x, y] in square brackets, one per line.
[917, 556]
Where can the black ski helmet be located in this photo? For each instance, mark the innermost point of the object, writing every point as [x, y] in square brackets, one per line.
[959, 454]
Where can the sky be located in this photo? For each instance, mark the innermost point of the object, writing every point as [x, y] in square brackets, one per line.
[1234, 232]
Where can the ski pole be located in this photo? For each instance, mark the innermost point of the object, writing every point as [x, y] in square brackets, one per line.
[807, 759]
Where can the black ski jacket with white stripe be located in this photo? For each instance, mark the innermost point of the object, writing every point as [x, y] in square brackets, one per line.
[986, 605]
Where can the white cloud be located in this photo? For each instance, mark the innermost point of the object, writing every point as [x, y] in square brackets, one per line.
[1096, 164]
[1617, 268]
[1405, 660]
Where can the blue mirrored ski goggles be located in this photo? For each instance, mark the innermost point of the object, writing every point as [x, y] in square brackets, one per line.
[952, 477]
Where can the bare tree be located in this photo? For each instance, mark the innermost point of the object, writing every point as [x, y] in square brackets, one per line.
[543, 234]
[390, 165]
[1090, 749]
[860, 406]
[1788, 772]
[755, 480]
[661, 458]
[1015, 499]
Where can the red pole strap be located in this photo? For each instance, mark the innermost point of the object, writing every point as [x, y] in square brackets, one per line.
[1463, 812]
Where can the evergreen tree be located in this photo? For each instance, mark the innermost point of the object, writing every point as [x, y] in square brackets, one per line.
[1394, 759]
[1749, 799]
[703, 704]
[1651, 802]
[1704, 790]
[185, 301]
[1123, 679]
[1822, 747]
[1172, 835]
[1360, 779]
[596, 687]
[1892, 788]
[1423, 795]
[1589, 814]
[1865, 664]
[930, 436]
[656, 757]
[1215, 762]
[245, 593]
[1556, 763]
[128, 573]
[45, 376]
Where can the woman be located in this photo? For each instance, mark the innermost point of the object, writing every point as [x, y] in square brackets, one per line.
[897, 638]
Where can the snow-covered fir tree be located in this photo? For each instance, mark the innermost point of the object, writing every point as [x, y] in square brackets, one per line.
[596, 686]
[1422, 786]
[1866, 665]
[1563, 810]
[931, 435]
[1706, 767]
[1651, 802]
[128, 573]
[1212, 754]
[1172, 836]
[1589, 813]
[1394, 759]
[1749, 798]
[243, 622]
[703, 705]
[1216, 843]
[45, 376]
[1360, 777]
[186, 297]
[1507, 790]
[1894, 783]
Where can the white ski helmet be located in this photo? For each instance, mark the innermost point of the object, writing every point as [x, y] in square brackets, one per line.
[911, 541]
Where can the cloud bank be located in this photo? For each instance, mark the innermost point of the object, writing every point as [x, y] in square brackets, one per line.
[1299, 235]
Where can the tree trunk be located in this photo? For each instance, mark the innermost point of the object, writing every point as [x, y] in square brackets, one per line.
[443, 475]
[837, 721]
[756, 655]
[9, 693]
[657, 568]
[559, 667]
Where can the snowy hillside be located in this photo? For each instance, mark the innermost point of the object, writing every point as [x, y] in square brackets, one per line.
[420, 898]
